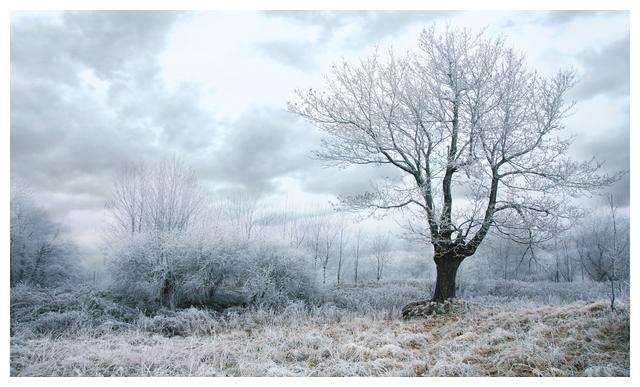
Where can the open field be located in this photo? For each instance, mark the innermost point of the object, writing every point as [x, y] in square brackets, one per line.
[488, 336]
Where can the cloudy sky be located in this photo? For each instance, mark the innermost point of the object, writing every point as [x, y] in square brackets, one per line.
[92, 91]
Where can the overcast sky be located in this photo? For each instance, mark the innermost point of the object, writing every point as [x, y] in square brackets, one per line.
[92, 91]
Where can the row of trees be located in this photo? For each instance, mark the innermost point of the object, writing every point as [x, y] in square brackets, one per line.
[158, 197]
[244, 245]
[597, 249]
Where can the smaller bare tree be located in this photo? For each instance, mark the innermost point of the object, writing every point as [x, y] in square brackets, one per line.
[602, 245]
[342, 241]
[381, 248]
[241, 211]
[161, 197]
[356, 259]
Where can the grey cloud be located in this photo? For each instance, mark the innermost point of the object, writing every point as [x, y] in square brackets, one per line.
[611, 148]
[293, 54]
[113, 43]
[374, 26]
[259, 147]
[347, 181]
[66, 141]
[185, 126]
[264, 145]
[377, 25]
[567, 16]
[350, 181]
[606, 71]
[54, 144]
[553, 19]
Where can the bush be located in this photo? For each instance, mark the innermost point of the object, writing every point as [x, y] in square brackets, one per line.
[41, 252]
[279, 279]
[182, 323]
[543, 292]
[41, 310]
[385, 296]
[54, 323]
[180, 270]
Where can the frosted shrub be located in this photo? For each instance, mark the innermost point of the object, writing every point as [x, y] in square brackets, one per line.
[29, 302]
[543, 292]
[54, 323]
[278, 279]
[40, 310]
[41, 253]
[185, 322]
[137, 267]
[182, 270]
[387, 296]
[100, 308]
[295, 310]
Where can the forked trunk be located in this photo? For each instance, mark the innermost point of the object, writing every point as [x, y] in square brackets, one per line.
[446, 271]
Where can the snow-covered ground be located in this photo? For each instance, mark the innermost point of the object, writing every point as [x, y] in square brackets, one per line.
[355, 331]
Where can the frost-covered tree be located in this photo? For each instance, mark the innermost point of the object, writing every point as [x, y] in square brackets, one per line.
[380, 249]
[342, 241]
[242, 211]
[155, 197]
[329, 240]
[151, 205]
[173, 246]
[602, 245]
[359, 244]
[40, 253]
[476, 135]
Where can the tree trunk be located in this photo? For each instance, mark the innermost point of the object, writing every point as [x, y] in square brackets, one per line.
[446, 271]
[355, 277]
[167, 296]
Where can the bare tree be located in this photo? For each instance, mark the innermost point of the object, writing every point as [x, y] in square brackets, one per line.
[161, 197]
[602, 245]
[618, 254]
[241, 211]
[158, 200]
[317, 229]
[128, 200]
[329, 240]
[564, 263]
[501, 251]
[317, 224]
[505, 255]
[381, 248]
[341, 245]
[356, 259]
[465, 114]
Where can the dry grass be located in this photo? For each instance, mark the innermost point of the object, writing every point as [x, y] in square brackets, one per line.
[582, 339]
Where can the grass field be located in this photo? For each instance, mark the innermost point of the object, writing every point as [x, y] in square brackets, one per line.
[489, 336]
